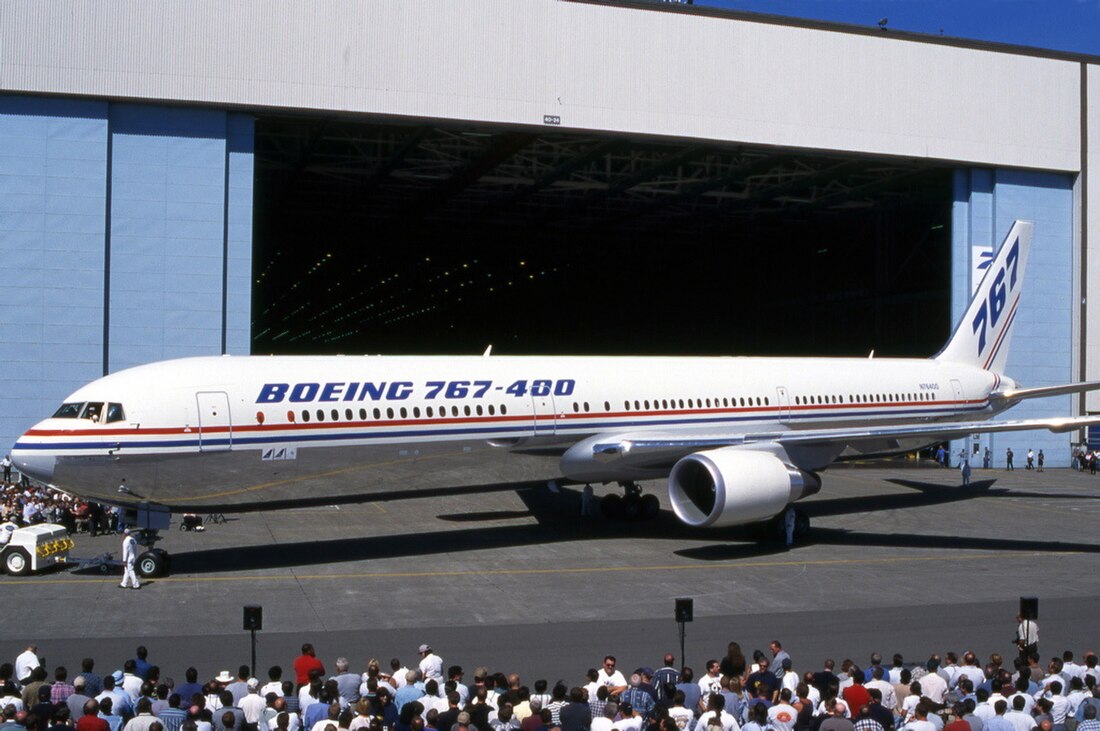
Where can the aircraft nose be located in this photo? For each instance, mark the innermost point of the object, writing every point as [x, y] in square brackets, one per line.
[36, 464]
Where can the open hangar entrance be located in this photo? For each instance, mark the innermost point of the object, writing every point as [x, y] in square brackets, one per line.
[403, 237]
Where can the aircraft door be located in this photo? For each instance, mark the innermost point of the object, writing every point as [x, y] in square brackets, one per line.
[542, 408]
[956, 390]
[215, 426]
[784, 401]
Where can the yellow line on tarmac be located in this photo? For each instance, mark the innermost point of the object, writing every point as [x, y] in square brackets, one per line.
[533, 572]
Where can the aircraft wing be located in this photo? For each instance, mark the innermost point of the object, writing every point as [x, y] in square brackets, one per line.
[653, 448]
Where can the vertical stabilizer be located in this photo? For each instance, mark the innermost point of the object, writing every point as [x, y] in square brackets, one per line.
[982, 337]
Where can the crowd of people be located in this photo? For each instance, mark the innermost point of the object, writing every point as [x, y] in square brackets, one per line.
[24, 503]
[763, 692]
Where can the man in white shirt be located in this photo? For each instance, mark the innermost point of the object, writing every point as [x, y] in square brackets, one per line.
[25, 663]
[431, 665]
[712, 681]
[889, 695]
[608, 676]
[1020, 720]
[682, 716]
[782, 715]
[253, 704]
[932, 686]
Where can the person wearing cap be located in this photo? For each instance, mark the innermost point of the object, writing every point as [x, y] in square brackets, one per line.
[120, 700]
[431, 665]
[129, 559]
[253, 704]
[76, 699]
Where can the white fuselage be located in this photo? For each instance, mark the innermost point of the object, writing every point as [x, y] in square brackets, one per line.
[224, 431]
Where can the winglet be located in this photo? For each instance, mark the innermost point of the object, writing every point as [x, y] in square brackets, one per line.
[982, 337]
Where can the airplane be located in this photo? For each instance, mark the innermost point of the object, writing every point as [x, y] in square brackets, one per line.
[739, 439]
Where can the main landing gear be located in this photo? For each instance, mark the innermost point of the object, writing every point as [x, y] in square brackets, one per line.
[152, 562]
[631, 505]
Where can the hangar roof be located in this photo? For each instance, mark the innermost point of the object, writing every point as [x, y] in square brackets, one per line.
[584, 66]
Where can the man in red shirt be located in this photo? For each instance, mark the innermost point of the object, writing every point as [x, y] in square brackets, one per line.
[91, 721]
[306, 662]
[855, 695]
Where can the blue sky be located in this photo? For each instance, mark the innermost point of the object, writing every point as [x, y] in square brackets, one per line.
[1064, 25]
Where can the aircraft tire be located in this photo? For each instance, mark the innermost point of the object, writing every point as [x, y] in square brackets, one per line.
[651, 506]
[17, 562]
[612, 507]
[632, 507]
[151, 564]
[801, 524]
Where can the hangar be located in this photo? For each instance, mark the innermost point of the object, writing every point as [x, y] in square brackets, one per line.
[547, 176]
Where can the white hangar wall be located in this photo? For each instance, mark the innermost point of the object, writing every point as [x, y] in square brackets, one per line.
[594, 66]
[1014, 125]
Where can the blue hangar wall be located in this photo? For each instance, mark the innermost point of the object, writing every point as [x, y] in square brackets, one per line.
[986, 202]
[125, 237]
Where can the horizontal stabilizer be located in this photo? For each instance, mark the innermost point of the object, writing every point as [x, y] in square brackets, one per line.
[1018, 394]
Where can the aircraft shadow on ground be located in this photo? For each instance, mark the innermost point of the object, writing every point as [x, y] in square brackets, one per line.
[557, 520]
[925, 494]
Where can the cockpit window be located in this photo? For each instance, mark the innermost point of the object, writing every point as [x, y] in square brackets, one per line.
[92, 411]
[115, 413]
[68, 411]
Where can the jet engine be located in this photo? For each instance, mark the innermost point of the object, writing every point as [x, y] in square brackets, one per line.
[735, 486]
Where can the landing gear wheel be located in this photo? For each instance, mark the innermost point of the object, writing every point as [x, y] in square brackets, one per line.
[152, 563]
[17, 562]
[650, 506]
[801, 524]
[632, 507]
[612, 507]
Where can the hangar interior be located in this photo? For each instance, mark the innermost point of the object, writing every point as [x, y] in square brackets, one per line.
[425, 238]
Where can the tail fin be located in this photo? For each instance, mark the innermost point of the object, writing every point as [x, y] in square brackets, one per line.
[982, 336]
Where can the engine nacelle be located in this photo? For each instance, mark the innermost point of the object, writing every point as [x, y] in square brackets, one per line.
[735, 486]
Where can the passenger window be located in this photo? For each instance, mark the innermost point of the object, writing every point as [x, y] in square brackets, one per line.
[335, 415]
[626, 404]
[404, 413]
[416, 412]
[503, 409]
[290, 416]
[492, 411]
[377, 414]
[362, 414]
[429, 411]
[454, 411]
[92, 411]
[349, 414]
[466, 410]
[115, 413]
[320, 415]
[479, 411]
[305, 415]
[607, 406]
[586, 407]
[389, 413]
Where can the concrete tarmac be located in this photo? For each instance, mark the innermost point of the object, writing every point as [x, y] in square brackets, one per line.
[897, 560]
